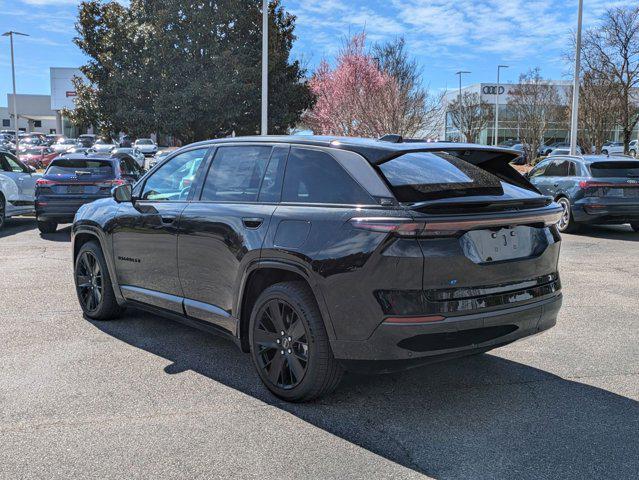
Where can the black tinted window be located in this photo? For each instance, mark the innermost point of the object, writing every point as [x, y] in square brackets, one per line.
[236, 174]
[315, 177]
[426, 175]
[615, 169]
[89, 166]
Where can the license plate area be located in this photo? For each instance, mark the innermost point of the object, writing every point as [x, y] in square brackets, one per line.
[75, 189]
[497, 245]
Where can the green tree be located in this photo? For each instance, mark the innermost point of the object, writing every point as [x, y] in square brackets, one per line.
[187, 68]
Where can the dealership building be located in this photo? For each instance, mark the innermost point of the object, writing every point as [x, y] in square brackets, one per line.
[43, 113]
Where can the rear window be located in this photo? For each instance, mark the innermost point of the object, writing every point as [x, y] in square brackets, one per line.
[70, 166]
[420, 176]
[614, 169]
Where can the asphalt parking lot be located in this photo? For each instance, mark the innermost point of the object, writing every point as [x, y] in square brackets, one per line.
[143, 397]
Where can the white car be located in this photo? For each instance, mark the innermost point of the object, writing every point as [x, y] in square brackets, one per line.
[102, 146]
[17, 187]
[146, 146]
[612, 148]
[633, 148]
[563, 151]
[63, 145]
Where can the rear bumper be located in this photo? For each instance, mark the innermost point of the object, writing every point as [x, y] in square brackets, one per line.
[61, 211]
[599, 210]
[394, 347]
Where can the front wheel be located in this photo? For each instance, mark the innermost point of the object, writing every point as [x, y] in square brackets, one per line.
[633, 153]
[93, 284]
[289, 344]
[566, 223]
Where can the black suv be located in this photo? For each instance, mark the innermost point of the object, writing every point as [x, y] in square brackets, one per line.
[319, 255]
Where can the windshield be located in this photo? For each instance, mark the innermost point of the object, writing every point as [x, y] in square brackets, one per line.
[32, 151]
[423, 176]
[614, 169]
[144, 141]
[72, 166]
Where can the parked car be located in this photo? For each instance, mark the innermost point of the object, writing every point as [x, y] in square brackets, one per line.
[17, 187]
[146, 146]
[37, 157]
[133, 153]
[103, 146]
[64, 144]
[78, 151]
[74, 180]
[509, 143]
[545, 150]
[320, 254]
[86, 140]
[612, 148]
[31, 141]
[158, 157]
[632, 148]
[563, 151]
[591, 189]
[52, 138]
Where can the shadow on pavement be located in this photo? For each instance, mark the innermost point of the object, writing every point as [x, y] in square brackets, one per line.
[62, 234]
[478, 417]
[612, 232]
[15, 225]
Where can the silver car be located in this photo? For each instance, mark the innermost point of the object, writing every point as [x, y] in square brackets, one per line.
[137, 155]
[146, 146]
[63, 145]
[17, 187]
[102, 146]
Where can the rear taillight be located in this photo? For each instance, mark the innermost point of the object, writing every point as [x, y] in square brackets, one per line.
[112, 183]
[43, 182]
[403, 227]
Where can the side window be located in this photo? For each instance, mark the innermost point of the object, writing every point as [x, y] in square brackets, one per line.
[11, 165]
[236, 174]
[313, 176]
[558, 168]
[539, 170]
[173, 180]
[572, 169]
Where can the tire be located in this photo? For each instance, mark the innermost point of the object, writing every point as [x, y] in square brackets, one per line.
[2, 211]
[304, 363]
[633, 153]
[604, 152]
[47, 227]
[93, 284]
[635, 226]
[567, 223]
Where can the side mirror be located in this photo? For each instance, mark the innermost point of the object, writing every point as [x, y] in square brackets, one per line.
[123, 193]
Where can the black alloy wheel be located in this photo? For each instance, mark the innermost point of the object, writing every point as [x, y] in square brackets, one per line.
[281, 344]
[289, 345]
[89, 283]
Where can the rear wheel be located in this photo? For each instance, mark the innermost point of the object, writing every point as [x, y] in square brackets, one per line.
[566, 223]
[93, 284]
[635, 226]
[289, 344]
[47, 227]
[604, 152]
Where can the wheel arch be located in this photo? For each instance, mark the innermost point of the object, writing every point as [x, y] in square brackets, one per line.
[261, 275]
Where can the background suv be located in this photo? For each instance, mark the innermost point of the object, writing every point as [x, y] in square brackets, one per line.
[591, 189]
[319, 254]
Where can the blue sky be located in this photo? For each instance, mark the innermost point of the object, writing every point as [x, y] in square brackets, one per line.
[444, 35]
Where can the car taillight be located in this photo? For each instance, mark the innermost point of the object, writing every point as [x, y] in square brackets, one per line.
[403, 227]
[43, 182]
[112, 183]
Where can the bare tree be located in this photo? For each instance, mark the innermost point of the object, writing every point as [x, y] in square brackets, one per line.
[472, 116]
[537, 104]
[611, 51]
[410, 110]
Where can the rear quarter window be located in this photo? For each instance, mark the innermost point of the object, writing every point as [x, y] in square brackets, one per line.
[420, 176]
[313, 176]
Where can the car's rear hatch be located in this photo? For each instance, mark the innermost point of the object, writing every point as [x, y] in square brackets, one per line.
[613, 179]
[504, 247]
[78, 177]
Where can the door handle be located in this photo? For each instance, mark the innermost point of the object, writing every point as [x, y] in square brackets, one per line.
[252, 222]
[167, 219]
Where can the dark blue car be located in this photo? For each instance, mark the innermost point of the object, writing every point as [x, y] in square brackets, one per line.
[591, 189]
[71, 181]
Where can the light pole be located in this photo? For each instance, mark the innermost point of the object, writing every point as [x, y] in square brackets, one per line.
[10, 34]
[574, 121]
[460, 73]
[496, 132]
[264, 129]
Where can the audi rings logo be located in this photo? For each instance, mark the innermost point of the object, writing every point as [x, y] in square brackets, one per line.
[492, 90]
